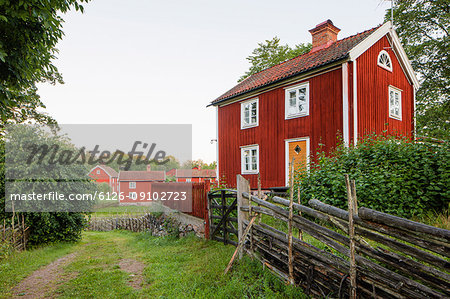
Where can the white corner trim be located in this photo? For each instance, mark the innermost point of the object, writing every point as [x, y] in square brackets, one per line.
[345, 121]
[355, 105]
[286, 157]
[217, 144]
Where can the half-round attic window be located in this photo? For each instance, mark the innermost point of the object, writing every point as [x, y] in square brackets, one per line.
[384, 60]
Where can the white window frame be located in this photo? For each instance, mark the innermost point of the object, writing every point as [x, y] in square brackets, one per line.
[399, 91]
[287, 92]
[188, 180]
[250, 148]
[132, 185]
[98, 171]
[386, 67]
[245, 125]
[132, 195]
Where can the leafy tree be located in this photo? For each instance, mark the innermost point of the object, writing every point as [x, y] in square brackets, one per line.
[29, 32]
[198, 163]
[423, 27]
[271, 53]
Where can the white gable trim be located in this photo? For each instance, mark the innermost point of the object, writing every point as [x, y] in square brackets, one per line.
[369, 41]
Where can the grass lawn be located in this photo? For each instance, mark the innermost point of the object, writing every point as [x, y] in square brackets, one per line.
[172, 268]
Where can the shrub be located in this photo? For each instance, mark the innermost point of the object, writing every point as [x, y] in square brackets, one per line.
[395, 176]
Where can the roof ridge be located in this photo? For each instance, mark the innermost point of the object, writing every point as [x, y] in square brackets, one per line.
[304, 54]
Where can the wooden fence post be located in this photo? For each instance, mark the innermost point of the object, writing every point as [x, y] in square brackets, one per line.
[351, 234]
[291, 215]
[242, 186]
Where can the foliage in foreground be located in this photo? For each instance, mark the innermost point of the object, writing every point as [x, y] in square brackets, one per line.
[395, 176]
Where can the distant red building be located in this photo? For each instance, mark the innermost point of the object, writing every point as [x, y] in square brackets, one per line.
[134, 185]
[105, 174]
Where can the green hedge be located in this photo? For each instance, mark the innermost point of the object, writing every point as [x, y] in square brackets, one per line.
[395, 176]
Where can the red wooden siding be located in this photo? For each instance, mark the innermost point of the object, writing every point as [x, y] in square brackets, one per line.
[321, 126]
[373, 83]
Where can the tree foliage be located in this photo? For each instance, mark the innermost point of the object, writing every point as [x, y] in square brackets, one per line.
[270, 53]
[29, 32]
[395, 176]
[423, 27]
[27, 178]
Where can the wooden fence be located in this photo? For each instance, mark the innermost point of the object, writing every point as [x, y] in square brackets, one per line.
[134, 224]
[361, 253]
[16, 237]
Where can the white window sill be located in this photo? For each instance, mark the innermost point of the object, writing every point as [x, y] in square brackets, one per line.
[248, 172]
[248, 126]
[395, 117]
[296, 115]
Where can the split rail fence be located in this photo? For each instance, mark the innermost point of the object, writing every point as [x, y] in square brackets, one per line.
[337, 253]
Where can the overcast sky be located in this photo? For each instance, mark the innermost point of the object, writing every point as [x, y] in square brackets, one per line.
[162, 62]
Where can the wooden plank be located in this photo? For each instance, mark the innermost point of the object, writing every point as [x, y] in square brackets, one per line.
[242, 186]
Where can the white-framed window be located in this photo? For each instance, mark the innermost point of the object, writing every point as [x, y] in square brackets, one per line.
[249, 113]
[132, 185]
[395, 103]
[188, 180]
[98, 171]
[132, 195]
[250, 159]
[297, 101]
[384, 60]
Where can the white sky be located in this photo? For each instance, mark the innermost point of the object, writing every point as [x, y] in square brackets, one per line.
[162, 62]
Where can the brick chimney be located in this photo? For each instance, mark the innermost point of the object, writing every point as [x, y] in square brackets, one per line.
[323, 35]
[149, 167]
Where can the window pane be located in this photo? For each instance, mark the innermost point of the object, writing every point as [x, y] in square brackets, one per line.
[253, 120]
[254, 167]
[253, 152]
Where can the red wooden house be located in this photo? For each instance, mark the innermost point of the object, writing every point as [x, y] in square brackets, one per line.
[105, 174]
[350, 87]
[136, 185]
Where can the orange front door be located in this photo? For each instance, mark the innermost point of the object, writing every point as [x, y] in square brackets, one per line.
[297, 150]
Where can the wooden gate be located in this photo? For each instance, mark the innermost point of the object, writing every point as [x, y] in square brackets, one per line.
[223, 216]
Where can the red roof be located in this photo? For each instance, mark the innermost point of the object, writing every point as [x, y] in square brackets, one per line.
[336, 51]
[109, 170]
[142, 176]
[196, 173]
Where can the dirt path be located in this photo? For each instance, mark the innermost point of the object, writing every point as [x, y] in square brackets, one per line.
[43, 282]
[135, 269]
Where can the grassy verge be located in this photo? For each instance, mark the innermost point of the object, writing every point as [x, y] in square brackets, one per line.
[173, 268]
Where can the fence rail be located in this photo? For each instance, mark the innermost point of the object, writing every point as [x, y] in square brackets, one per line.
[341, 254]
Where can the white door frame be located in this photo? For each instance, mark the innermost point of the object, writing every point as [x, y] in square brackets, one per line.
[286, 158]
